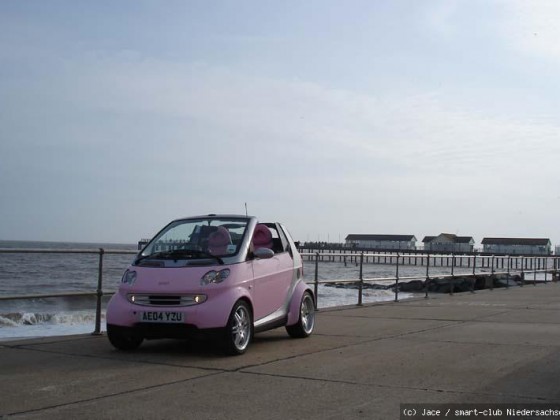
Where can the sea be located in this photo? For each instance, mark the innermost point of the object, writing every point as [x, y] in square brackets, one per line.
[46, 273]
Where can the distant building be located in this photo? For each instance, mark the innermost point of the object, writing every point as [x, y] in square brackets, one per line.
[405, 242]
[447, 242]
[519, 246]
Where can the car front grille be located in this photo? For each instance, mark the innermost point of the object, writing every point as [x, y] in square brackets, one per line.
[165, 300]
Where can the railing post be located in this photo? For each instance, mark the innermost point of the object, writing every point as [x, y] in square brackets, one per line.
[397, 280]
[523, 266]
[452, 289]
[508, 270]
[361, 284]
[474, 273]
[97, 330]
[545, 269]
[316, 281]
[535, 271]
[492, 273]
[427, 282]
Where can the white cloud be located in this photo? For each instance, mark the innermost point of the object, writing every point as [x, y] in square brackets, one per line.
[312, 124]
[221, 137]
[296, 112]
[532, 27]
[440, 17]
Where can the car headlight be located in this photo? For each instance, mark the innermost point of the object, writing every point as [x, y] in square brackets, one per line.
[214, 276]
[129, 277]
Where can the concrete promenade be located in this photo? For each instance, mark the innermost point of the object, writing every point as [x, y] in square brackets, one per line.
[500, 346]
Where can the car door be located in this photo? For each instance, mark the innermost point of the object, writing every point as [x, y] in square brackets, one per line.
[272, 277]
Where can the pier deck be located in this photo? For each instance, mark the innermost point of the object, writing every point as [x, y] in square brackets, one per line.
[500, 346]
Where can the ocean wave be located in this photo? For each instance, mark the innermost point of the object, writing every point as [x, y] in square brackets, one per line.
[18, 319]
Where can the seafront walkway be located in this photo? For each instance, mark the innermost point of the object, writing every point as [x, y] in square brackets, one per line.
[492, 346]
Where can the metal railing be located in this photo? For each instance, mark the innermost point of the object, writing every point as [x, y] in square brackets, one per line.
[551, 266]
[98, 293]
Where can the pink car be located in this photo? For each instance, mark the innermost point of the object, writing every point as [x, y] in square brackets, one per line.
[224, 275]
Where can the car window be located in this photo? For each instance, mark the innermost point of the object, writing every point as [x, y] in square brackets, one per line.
[198, 238]
[285, 242]
[279, 241]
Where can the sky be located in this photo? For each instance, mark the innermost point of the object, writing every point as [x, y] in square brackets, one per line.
[333, 117]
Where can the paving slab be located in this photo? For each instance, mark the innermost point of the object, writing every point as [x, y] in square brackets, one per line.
[353, 325]
[525, 315]
[423, 310]
[196, 354]
[362, 362]
[235, 395]
[31, 379]
[420, 365]
[527, 296]
[238, 395]
[503, 333]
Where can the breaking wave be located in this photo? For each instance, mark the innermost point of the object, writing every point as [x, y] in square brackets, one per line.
[19, 319]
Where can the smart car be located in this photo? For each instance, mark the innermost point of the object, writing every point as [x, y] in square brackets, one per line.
[223, 276]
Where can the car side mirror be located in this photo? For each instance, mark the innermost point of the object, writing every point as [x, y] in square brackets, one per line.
[263, 253]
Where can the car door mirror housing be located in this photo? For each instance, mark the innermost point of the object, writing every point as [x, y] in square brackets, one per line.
[264, 253]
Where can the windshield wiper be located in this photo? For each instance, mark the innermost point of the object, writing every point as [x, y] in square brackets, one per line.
[154, 255]
[203, 254]
[178, 253]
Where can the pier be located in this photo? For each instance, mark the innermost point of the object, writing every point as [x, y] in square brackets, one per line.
[492, 346]
[430, 258]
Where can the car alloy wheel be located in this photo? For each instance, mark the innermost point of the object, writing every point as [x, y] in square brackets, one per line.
[306, 322]
[239, 329]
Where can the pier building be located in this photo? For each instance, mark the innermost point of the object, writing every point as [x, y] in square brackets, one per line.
[381, 241]
[517, 246]
[447, 242]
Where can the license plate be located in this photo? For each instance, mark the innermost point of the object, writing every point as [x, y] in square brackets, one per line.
[161, 317]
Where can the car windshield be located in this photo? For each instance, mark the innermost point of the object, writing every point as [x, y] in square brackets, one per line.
[203, 238]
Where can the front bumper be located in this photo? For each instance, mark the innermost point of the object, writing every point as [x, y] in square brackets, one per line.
[206, 315]
[155, 331]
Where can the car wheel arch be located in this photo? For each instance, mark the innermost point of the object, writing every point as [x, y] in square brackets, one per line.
[248, 302]
[294, 307]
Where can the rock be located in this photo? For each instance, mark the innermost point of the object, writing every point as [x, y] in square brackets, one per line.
[412, 286]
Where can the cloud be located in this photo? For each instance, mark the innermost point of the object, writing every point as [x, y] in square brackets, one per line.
[440, 16]
[169, 138]
[306, 114]
[155, 106]
[531, 27]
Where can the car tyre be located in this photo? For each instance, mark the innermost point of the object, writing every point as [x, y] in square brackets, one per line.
[239, 329]
[306, 322]
[123, 340]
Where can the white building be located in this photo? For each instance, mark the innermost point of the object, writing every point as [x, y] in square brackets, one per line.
[518, 246]
[447, 242]
[388, 242]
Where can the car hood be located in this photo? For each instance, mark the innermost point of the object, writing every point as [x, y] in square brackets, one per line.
[181, 279]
